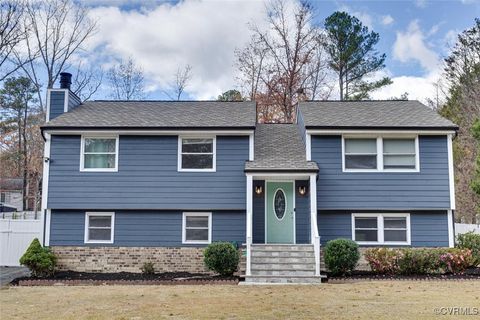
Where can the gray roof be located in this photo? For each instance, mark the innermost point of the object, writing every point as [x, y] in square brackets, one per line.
[279, 147]
[386, 114]
[158, 114]
[11, 183]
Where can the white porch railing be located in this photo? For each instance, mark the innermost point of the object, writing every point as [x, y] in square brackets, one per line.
[316, 242]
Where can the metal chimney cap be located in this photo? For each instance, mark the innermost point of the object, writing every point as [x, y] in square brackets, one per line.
[65, 80]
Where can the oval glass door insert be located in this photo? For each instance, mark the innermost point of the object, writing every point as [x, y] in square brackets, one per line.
[279, 204]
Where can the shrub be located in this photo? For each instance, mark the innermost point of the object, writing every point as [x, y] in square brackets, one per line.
[382, 260]
[40, 260]
[470, 240]
[221, 257]
[341, 256]
[456, 260]
[148, 268]
[409, 261]
[418, 261]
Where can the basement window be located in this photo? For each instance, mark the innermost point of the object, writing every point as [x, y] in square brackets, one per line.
[99, 227]
[197, 227]
[381, 228]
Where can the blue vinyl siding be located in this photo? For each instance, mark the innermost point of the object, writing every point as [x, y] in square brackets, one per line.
[147, 177]
[428, 228]
[301, 127]
[258, 216]
[144, 228]
[302, 215]
[57, 103]
[73, 101]
[427, 189]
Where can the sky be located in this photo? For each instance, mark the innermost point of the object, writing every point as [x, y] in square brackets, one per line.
[163, 36]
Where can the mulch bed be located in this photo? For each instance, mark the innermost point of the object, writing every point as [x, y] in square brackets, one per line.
[70, 278]
[470, 274]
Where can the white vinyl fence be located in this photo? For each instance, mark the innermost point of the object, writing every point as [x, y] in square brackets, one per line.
[461, 228]
[15, 237]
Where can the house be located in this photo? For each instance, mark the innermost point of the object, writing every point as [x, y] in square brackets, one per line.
[11, 195]
[133, 181]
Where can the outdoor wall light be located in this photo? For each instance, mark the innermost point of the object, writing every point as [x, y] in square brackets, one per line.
[302, 190]
[258, 190]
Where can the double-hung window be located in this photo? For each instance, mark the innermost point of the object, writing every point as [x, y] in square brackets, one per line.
[380, 154]
[381, 228]
[99, 154]
[197, 227]
[361, 153]
[399, 153]
[196, 154]
[99, 227]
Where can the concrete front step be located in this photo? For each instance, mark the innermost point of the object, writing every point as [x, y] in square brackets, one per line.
[291, 273]
[284, 260]
[283, 266]
[282, 247]
[282, 263]
[308, 279]
[283, 254]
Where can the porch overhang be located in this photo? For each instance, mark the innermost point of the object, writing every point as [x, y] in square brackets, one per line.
[281, 174]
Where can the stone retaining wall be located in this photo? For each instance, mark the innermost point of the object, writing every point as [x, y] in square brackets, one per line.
[130, 259]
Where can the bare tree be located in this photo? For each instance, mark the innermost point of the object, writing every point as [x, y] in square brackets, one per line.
[250, 63]
[283, 59]
[180, 82]
[59, 29]
[86, 82]
[126, 81]
[11, 33]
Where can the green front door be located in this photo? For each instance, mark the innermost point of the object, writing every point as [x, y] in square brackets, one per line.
[280, 215]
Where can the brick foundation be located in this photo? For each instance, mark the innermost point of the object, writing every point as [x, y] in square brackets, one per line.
[129, 259]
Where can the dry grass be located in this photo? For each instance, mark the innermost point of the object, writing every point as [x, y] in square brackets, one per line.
[362, 300]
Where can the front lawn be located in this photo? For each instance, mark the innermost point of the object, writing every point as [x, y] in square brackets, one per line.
[361, 300]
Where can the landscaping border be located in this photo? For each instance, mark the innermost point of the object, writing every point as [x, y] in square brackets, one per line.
[85, 282]
[334, 280]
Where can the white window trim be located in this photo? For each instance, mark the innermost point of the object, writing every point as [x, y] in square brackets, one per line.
[380, 228]
[184, 225]
[82, 153]
[380, 152]
[214, 151]
[102, 214]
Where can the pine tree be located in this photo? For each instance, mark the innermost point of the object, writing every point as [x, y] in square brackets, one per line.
[352, 55]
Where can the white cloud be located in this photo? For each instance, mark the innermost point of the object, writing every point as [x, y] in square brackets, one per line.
[200, 33]
[450, 38]
[418, 88]
[421, 3]
[410, 46]
[387, 20]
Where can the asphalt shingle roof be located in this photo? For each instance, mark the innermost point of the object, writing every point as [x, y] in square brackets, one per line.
[11, 183]
[158, 114]
[372, 114]
[279, 147]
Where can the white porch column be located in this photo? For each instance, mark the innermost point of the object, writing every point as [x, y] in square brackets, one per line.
[315, 237]
[249, 222]
[45, 216]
